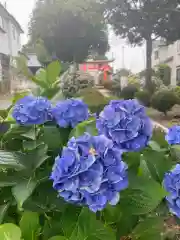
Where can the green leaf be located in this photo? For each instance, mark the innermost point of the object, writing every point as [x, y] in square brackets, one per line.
[148, 229]
[83, 225]
[155, 146]
[50, 92]
[30, 225]
[31, 134]
[41, 75]
[157, 163]
[35, 157]
[9, 117]
[3, 211]
[17, 131]
[11, 160]
[133, 160]
[23, 190]
[49, 202]
[52, 137]
[9, 231]
[58, 97]
[111, 214]
[7, 180]
[53, 70]
[126, 223]
[52, 227]
[86, 126]
[58, 238]
[142, 196]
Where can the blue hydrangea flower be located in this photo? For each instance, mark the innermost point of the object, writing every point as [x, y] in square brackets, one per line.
[32, 110]
[173, 135]
[90, 172]
[172, 186]
[70, 112]
[126, 123]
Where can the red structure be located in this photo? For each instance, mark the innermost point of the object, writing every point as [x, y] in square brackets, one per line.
[97, 65]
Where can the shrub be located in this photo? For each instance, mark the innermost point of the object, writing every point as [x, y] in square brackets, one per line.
[144, 97]
[72, 82]
[134, 80]
[164, 73]
[129, 92]
[54, 167]
[177, 92]
[94, 99]
[163, 100]
[107, 84]
[116, 89]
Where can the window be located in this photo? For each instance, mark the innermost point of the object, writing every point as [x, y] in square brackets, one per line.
[178, 46]
[156, 55]
[178, 76]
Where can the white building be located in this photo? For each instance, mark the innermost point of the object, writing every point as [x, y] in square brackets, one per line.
[10, 44]
[170, 55]
[10, 31]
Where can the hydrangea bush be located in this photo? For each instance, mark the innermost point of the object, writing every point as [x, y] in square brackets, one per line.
[69, 175]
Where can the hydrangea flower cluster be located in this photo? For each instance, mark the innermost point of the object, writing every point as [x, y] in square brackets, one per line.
[173, 135]
[70, 112]
[172, 186]
[126, 123]
[90, 172]
[32, 110]
[38, 110]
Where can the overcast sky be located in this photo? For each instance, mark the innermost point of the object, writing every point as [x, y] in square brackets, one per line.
[134, 58]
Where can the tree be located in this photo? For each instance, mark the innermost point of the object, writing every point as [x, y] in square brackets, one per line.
[144, 20]
[69, 28]
[164, 73]
[39, 48]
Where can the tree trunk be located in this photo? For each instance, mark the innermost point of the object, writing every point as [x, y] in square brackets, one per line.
[149, 85]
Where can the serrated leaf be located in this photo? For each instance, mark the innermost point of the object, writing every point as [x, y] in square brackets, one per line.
[142, 196]
[9, 231]
[157, 163]
[11, 160]
[148, 229]
[23, 190]
[83, 225]
[53, 70]
[30, 225]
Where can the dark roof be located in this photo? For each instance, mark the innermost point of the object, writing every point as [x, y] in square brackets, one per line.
[11, 17]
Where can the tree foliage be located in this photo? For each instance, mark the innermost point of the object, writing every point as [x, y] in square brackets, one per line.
[39, 49]
[139, 20]
[69, 29]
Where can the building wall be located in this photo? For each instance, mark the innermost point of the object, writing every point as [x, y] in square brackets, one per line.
[169, 55]
[10, 38]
